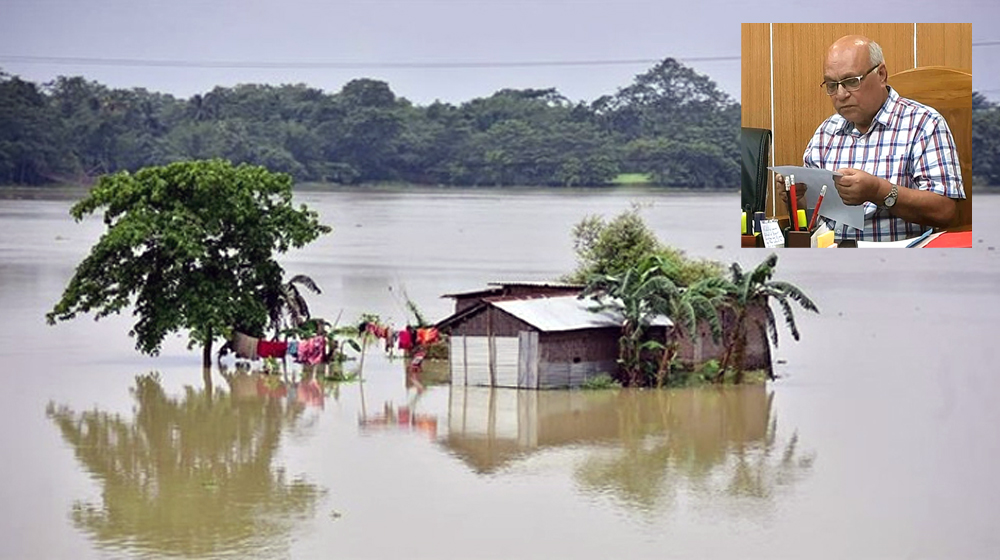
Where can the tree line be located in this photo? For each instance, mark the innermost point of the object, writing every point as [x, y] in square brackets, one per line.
[671, 124]
[985, 140]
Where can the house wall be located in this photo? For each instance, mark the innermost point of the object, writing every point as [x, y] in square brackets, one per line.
[500, 323]
[581, 345]
[703, 348]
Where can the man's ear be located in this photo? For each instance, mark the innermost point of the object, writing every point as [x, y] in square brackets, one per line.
[883, 74]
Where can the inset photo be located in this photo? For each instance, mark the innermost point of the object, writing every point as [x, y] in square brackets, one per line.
[856, 135]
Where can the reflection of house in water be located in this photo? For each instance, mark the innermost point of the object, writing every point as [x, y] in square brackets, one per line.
[541, 335]
[490, 428]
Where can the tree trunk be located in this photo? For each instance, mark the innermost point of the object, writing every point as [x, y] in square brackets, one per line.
[733, 341]
[206, 355]
[741, 350]
[663, 373]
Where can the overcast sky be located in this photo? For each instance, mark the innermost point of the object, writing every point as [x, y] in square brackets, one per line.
[374, 33]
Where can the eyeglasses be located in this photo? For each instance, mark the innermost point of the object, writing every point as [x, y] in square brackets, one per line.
[850, 84]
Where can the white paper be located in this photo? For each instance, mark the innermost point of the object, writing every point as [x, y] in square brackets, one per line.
[772, 234]
[833, 207]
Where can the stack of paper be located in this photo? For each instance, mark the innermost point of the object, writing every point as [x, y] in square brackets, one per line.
[833, 207]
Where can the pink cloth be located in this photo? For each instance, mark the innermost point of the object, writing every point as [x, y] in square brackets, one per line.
[311, 350]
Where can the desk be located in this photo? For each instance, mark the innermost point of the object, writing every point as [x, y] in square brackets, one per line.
[957, 237]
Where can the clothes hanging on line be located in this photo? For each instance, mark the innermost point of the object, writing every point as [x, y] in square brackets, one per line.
[312, 350]
[271, 349]
[405, 342]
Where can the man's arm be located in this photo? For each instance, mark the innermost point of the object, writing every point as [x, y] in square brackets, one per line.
[917, 206]
[913, 205]
[937, 181]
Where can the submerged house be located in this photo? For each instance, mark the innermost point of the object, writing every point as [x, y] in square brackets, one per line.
[533, 343]
[543, 336]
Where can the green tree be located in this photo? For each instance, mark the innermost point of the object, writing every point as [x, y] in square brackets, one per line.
[756, 289]
[191, 246]
[985, 140]
[611, 247]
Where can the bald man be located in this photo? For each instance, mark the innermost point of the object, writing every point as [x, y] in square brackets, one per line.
[897, 156]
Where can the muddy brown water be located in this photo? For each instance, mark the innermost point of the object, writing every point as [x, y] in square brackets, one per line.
[879, 440]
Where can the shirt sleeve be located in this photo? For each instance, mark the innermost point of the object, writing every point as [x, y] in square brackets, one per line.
[935, 161]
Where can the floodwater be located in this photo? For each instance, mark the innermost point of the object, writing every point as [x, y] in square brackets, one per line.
[879, 440]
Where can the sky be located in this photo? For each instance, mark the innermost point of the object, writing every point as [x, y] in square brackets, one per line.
[482, 44]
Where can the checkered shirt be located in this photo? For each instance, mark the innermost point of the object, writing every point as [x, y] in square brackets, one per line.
[908, 144]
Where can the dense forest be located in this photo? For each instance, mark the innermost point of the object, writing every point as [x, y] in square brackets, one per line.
[670, 124]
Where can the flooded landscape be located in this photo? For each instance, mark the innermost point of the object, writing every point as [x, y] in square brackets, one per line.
[877, 440]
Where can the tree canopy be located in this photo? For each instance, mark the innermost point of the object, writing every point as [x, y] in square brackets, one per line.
[190, 247]
[73, 129]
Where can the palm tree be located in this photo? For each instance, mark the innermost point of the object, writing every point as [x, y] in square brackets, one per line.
[757, 289]
[647, 290]
[286, 307]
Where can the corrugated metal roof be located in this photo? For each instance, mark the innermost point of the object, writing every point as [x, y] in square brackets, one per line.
[565, 313]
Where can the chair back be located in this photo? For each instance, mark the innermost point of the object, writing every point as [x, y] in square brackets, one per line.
[949, 91]
[755, 147]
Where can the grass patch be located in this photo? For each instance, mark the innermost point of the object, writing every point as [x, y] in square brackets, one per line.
[600, 381]
[631, 179]
[681, 376]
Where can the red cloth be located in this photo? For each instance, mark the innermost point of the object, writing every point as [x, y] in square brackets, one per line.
[271, 349]
[951, 239]
[404, 340]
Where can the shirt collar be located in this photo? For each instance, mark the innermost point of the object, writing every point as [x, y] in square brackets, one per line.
[883, 117]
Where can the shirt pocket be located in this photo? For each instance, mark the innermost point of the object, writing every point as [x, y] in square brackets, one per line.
[895, 168]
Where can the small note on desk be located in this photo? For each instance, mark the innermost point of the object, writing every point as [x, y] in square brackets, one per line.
[772, 234]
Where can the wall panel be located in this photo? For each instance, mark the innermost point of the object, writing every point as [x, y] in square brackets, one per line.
[944, 44]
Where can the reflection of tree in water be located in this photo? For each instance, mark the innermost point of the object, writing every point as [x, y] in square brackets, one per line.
[189, 476]
[704, 442]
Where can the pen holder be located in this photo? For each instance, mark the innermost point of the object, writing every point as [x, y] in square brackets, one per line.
[751, 241]
[798, 239]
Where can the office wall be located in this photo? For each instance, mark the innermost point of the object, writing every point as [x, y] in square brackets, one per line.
[796, 52]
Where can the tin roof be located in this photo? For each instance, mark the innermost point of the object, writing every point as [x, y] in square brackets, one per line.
[565, 313]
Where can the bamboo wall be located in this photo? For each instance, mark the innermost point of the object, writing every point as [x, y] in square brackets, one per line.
[796, 51]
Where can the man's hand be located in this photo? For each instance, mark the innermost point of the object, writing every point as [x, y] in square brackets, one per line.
[800, 191]
[857, 187]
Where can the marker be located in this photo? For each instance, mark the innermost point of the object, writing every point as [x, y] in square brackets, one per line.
[802, 218]
[744, 230]
[795, 208]
[758, 217]
[819, 202]
[788, 195]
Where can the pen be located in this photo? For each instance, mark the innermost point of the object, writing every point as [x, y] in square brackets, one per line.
[819, 202]
[916, 240]
[794, 216]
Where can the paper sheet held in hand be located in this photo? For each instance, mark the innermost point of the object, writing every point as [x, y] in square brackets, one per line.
[833, 207]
